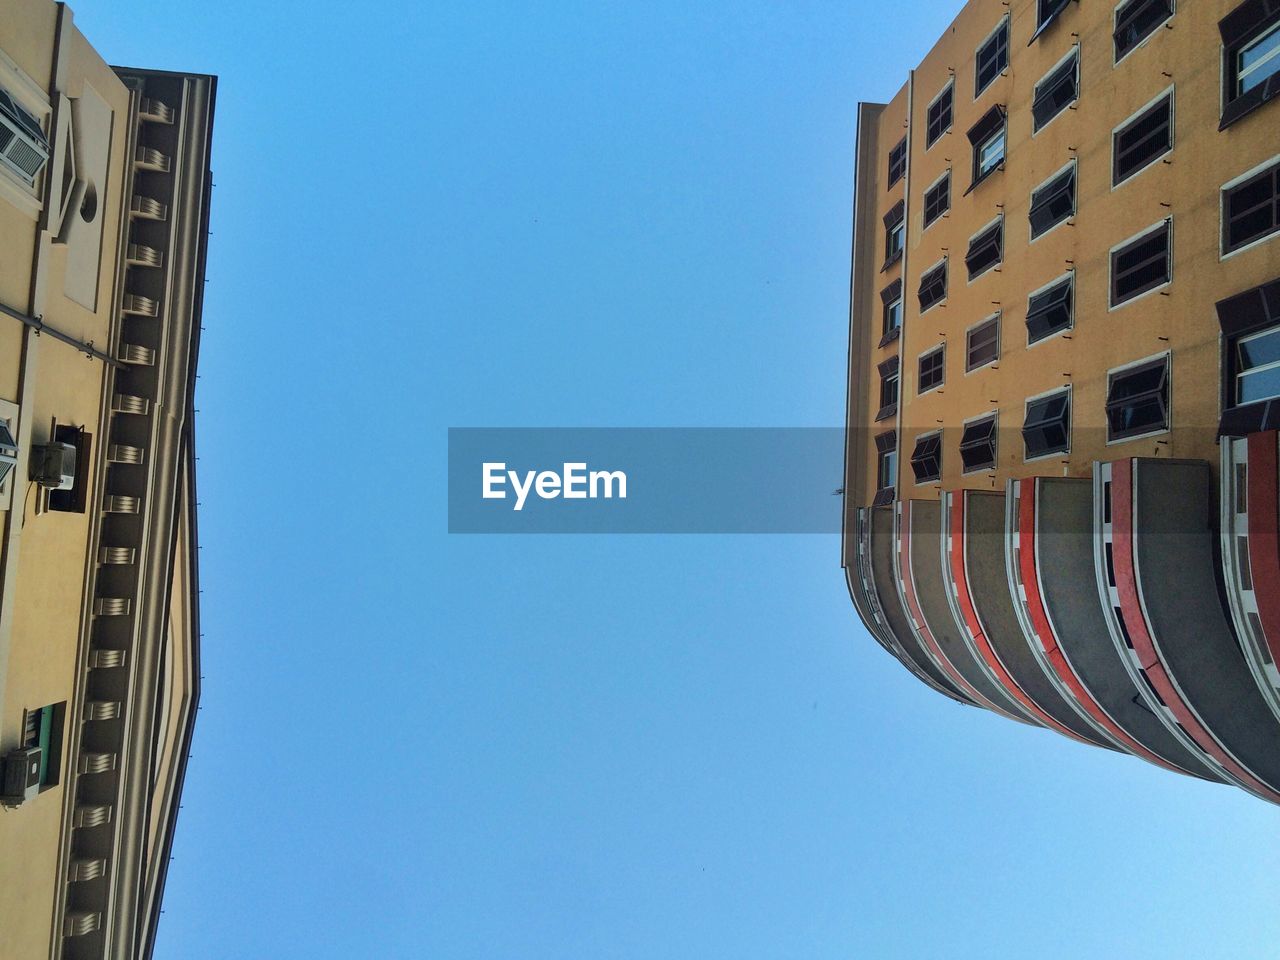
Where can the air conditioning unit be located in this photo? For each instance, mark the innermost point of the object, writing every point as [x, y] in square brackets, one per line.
[24, 148]
[53, 465]
[21, 774]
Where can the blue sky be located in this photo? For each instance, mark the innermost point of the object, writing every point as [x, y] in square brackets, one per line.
[421, 745]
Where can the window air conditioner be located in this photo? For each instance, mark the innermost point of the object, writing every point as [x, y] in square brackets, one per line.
[21, 774]
[24, 149]
[53, 465]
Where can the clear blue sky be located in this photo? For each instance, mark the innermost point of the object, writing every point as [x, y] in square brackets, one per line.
[568, 748]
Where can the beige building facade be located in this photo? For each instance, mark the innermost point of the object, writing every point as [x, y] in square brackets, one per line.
[104, 206]
[1065, 300]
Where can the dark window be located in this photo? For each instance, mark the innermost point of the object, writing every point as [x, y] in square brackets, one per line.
[898, 162]
[985, 250]
[1050, 311]
[992, 58]
[76, 499]
[888, 388]
[1046, 12]
[933, 287]
[8, 451]
[1053, 203]
[926, 458]
[937, 200]
[894, 234]
[886, 465]
[1138, 400]
[1141, 265]
[978, 444]
[939, 116]
[1251, 48]
[1257, 367]
[987, 138]
[1047, 427]
[43, 728]
[1251, 210]
[982, 344]
[1056, 92]
[1137, 20]
[892, 319]
[1143, 140]
[932, 369]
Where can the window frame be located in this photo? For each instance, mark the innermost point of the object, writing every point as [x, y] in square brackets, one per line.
[1237, 104]
[946, 284]
[998, 130]
[969, 366]
[890, 372]
[922, 438]
[9, 415]
[886, 466]
[978, 86]
[998, 225]
[1026, 407]
[1070, 279]
[1236, 74]
[1167, 93]
[1164, 357]
[1118, 58]
[1072, 55]
[891, 296]
[939, 349]
[924, 210]
[994, 418]
[948, 88]
[1113, 305]
[897, 163]
[1225, 253]
[895, 225]
[1235, 372]
[1072, 167]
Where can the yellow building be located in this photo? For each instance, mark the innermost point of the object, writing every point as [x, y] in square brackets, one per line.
[1064, 344]
[104, 205]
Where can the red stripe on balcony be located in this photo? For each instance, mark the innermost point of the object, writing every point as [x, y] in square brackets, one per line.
[969, 611]
[1122, 540]
[907, 582]
[1264, 534]
[1049, 640]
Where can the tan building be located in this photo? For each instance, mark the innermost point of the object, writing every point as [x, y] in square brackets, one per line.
[104, 205]
[1061, 490]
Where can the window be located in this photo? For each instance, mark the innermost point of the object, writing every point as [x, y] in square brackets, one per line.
[24, 149]
[43, 728]
[931, 369]
[1138, 400]
[1141, 265]
[1250, 324]
[937, 199]
[1257, 367]
[1050, 310]
[1046, 12]
[8, 453]
[898, 162]
[985, 249]
[1142, 140]
[926, 458]
[1046, 429]
[894, 233]
[76, 499]
[938, 116]
[1251, 48]
[933, 286]
[892, 298]
[982, 344]
[1056, 92]
[1137, 20]
[888, 388]
[992, 58]
[1053, 203]
[987, 137]
[1251, 209]
[978, 444]
[886, 467]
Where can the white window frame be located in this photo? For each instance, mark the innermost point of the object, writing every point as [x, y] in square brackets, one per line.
[1069, 275]
[1222, 211]
[920, 356]
[1173, 136]
[1003, 23]
[1235, 67]
[1167, 356]
[995, 461]
[949, 85]
[1070, 164]
[9, 413]
[1115, 19]
[928, 270]
[951, 193]
[1071, 419]
[1073, 52]
[998, 317]
[925, 436]
[1234, 344]
[987, 226]
[1111, 262]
